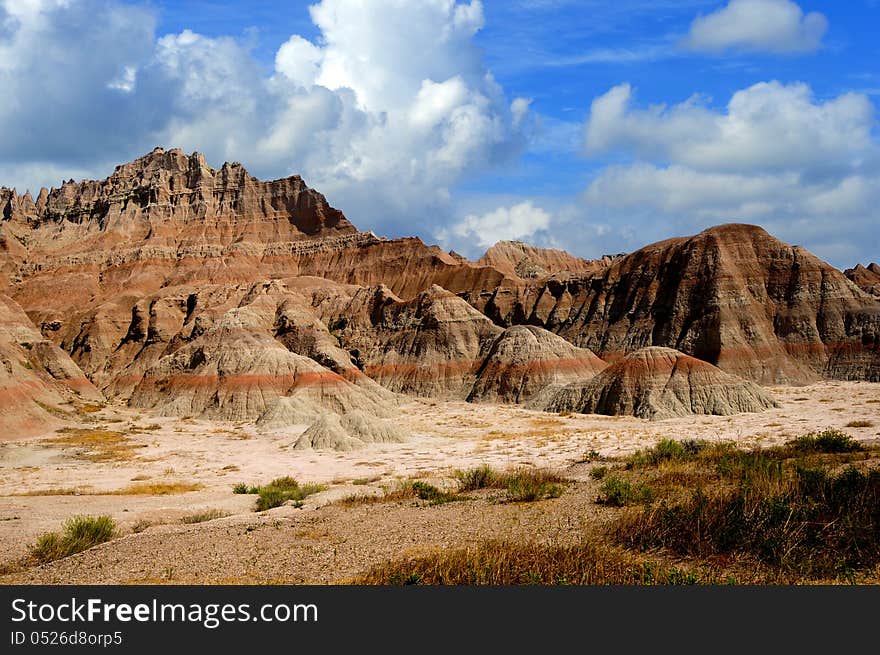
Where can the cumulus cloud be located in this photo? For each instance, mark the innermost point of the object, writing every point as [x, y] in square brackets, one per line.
[479, 231]
[766, 127]
[775, 156]
[774, 26]
[387, 109]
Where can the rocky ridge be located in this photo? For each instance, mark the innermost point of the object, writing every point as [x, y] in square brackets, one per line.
[190, 290]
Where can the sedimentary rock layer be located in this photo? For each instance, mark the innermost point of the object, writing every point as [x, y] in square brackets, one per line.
[660, 383]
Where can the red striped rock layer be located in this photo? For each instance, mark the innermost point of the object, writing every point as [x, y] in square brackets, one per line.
[525, 360]
[37, 379]
[660, 383]
[731, 295]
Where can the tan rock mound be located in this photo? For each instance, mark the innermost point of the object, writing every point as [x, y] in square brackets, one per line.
[328, 433]
[237, 371]
[525, 360]
[658, 383]
[371, 429]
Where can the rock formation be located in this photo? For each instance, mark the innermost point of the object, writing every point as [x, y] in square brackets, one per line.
[38, 380]
[867, 279]
[191, 290]
[524, 360]
[658, 383]
[732, 295]
[518, 259]
[432, 345]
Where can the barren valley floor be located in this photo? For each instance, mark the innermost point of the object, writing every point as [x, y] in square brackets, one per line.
[151, 473]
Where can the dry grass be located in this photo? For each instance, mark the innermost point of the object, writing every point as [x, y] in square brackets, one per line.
[365, 481]
[89, 408]
[804, 511]
[402, 490]
[156, 489]
[507, 563]
[64, 491]
[203, 516]
[860, 424]
[96, 445]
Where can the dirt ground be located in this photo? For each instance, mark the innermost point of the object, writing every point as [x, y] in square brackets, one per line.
[45, 480]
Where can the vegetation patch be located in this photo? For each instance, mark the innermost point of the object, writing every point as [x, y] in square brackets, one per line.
[432, 494]
[79, 533]
[96, 445]
[62, 491]
[278, 492]
[511, 563]
[206, 515]
[617, 492]
[156, 489]
[667, 450]
[481, 477]
[803, 510]
[530, 485]
[522, 484]
[828, 441]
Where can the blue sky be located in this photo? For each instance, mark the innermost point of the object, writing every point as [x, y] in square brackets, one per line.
[589, 125]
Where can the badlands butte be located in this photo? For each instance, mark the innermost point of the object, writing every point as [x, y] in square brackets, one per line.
[223, 327]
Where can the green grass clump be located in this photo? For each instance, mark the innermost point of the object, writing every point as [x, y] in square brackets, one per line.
[667, 450]
[79, 533]
[828, 441]
[599, 472]
[429, 492]
[279, 491]
[523, 485]
[481, 477]
[530, 485]
[617, 492]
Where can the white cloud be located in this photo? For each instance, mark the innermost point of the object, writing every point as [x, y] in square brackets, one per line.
[806, 169]
[520, 221]
[766, 127]
[775, 26]
[387, 109]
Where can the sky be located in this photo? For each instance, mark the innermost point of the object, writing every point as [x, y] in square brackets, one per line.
[593, 126]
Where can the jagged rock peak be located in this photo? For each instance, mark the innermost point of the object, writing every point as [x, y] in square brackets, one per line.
[525, 261]
[867, 278]
[170, 186]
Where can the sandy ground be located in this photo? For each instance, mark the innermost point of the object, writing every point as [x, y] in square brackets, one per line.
[322, 542]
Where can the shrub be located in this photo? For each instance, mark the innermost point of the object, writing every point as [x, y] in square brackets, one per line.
[79, 533]
[667, 450]
[599, 472]
[206, 515]
[280, 490]
[828, 441]
[806, 520]
[617, 492]
[860, 424]
[429, 492]
[481, 477]
[529, 485]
